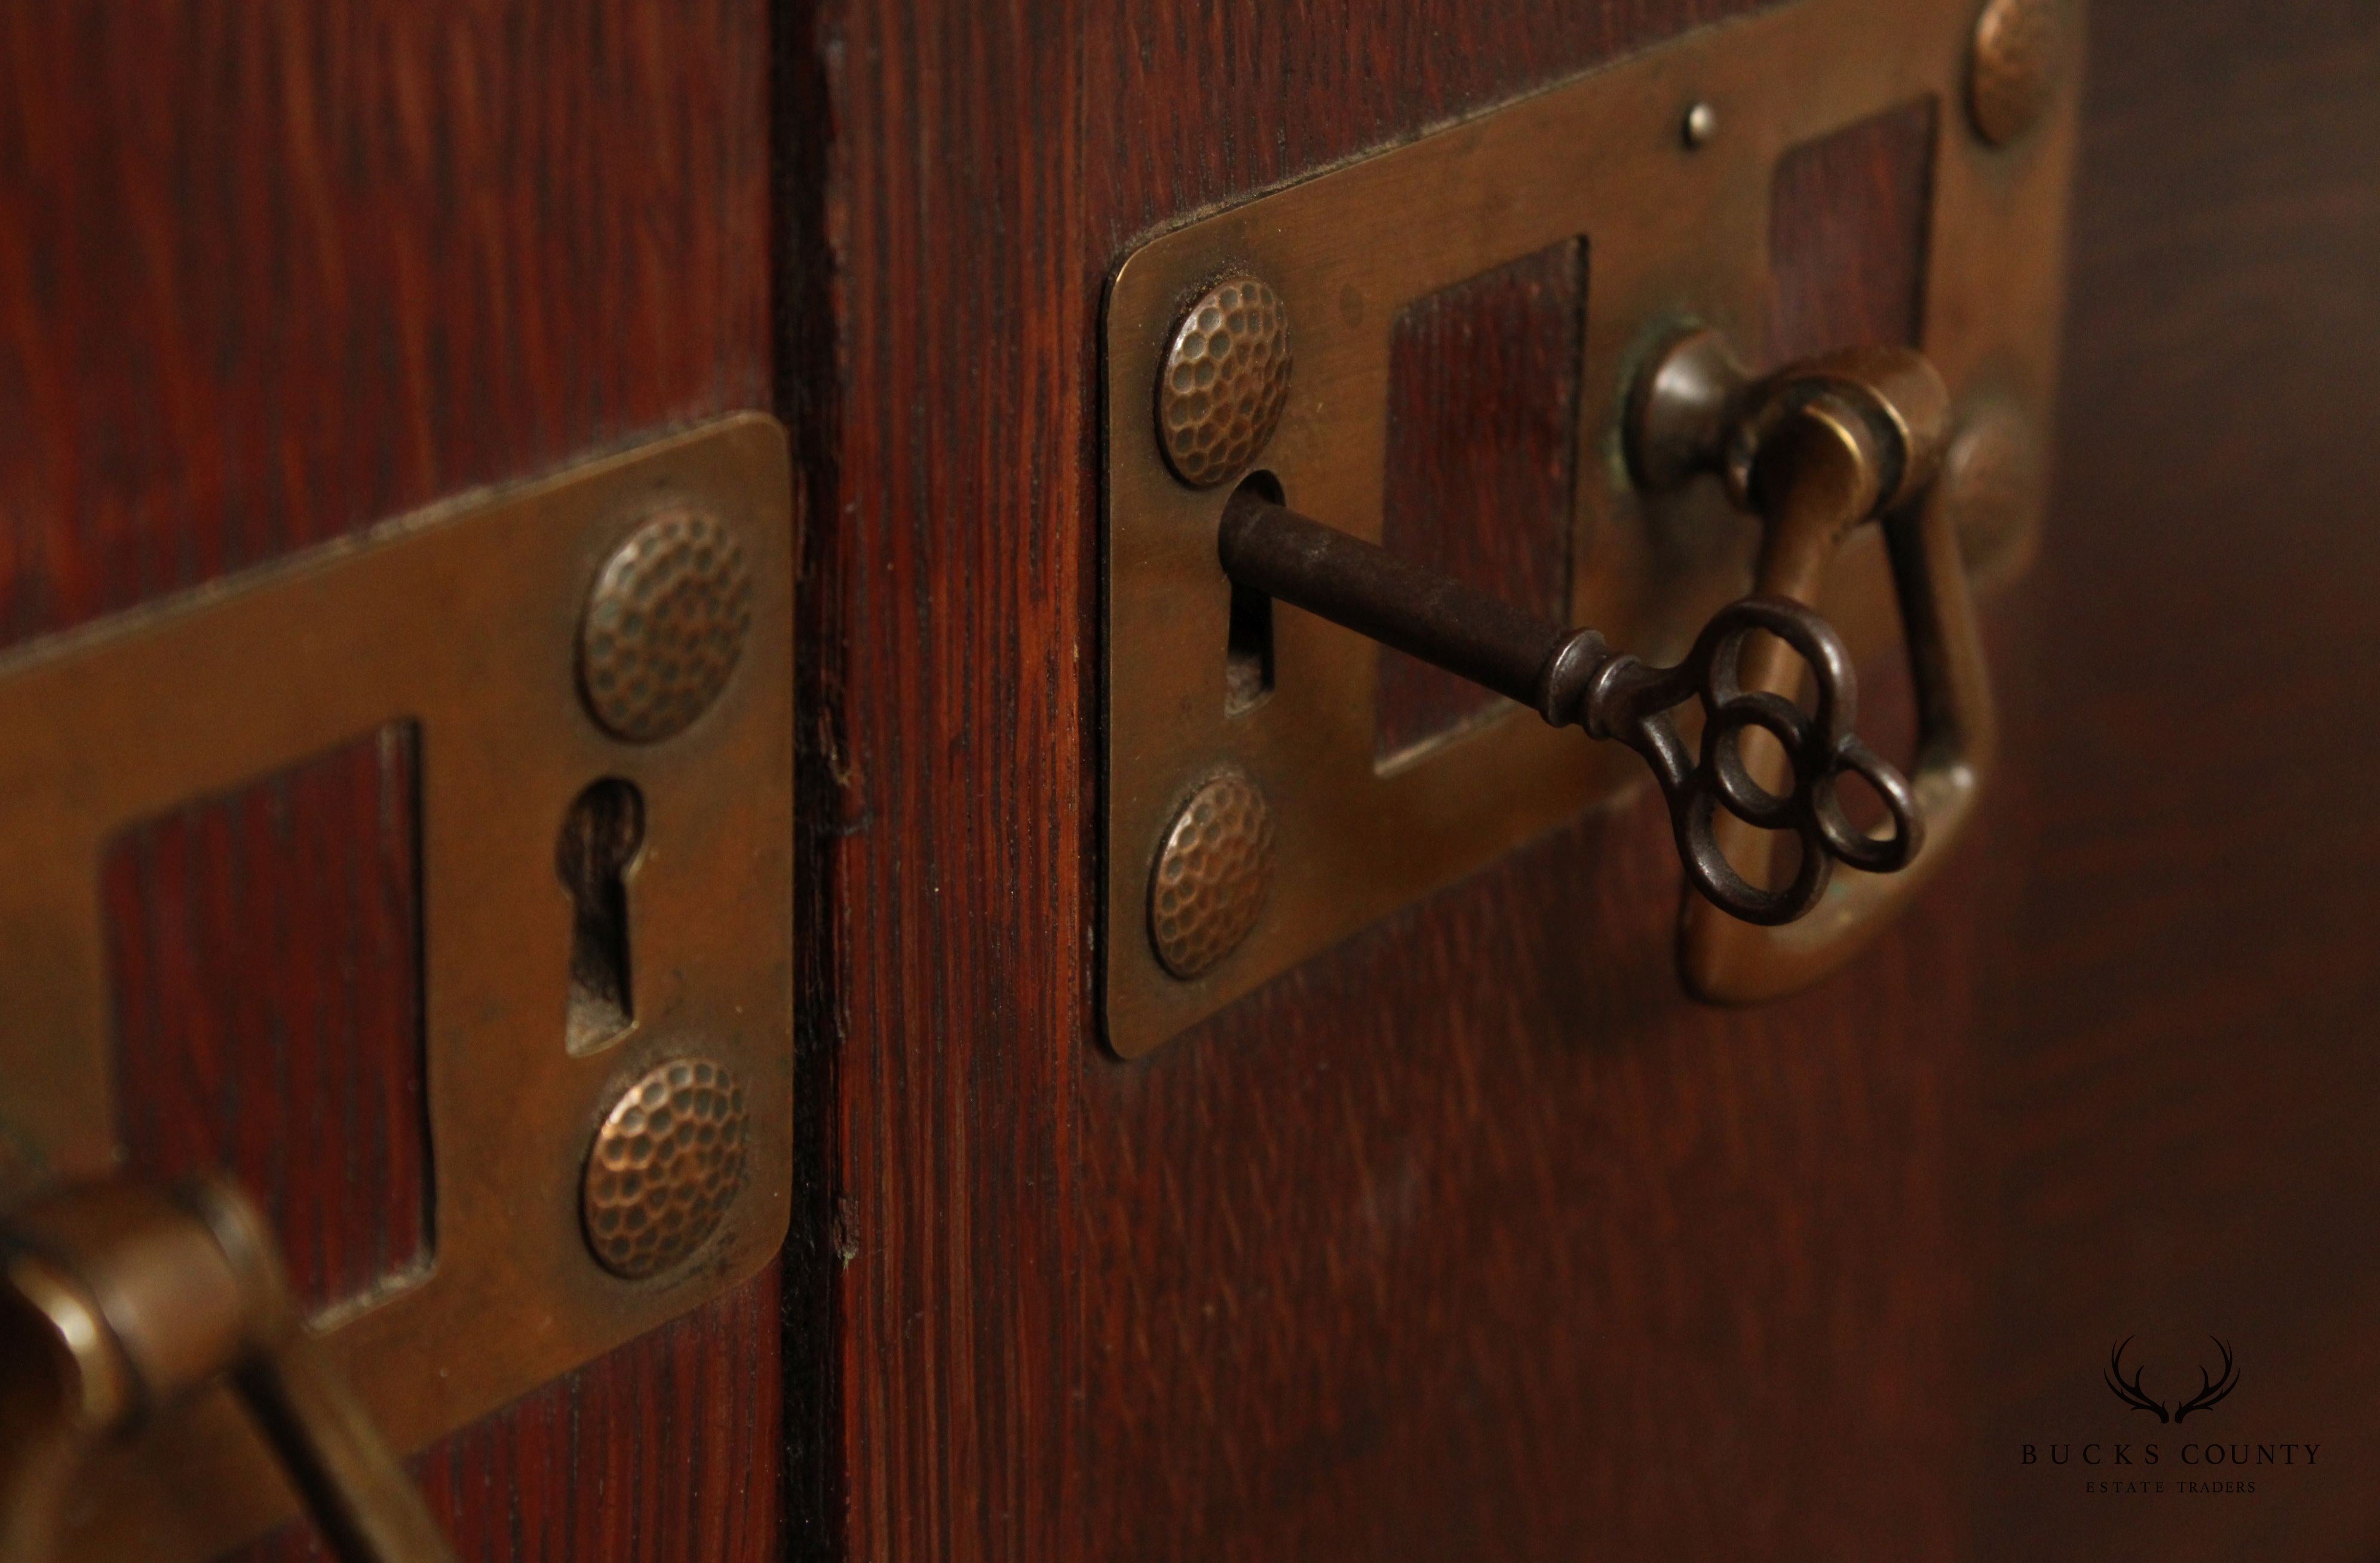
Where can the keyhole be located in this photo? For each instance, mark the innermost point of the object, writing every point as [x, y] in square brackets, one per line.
[600, 838]
[1247, 654]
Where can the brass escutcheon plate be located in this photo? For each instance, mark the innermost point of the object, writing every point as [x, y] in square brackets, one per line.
[1677, 230]
[464, 619]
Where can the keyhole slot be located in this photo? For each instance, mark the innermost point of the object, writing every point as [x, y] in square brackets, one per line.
[1247, 654]
[594, 856]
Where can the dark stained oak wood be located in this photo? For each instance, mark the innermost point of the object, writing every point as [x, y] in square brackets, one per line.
[992, 168]
[666, 1449]
[1847, 236]
[273, 272]
[2182, 1084]
[267, 955]
[1471, 1239]
[1483, 456]
[278, 270]
[1577, 1265]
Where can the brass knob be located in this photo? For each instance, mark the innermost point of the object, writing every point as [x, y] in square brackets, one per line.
[117, 1300]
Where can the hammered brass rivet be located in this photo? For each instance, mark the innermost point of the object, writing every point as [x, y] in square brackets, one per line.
[1213, 873]
[664, 624]
[665, 1166]
[1700, 125]
[2013, 72]
[1225, 381]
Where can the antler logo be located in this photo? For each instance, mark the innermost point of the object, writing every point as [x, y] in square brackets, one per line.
[2210, 1390]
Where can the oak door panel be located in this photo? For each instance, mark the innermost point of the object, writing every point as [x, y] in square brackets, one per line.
[270, 272]
[2181, 1081]
[1471, 1238]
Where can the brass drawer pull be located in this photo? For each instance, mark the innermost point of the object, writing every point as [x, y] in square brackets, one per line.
[119, 1301]
[1816, 450]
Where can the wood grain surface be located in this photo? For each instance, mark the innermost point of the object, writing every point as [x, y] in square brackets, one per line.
[273, 272]
[2181, 1085]
[1471, 1239]
[665, 1449]
[1483, 451]
[1848, 220]
[267, 958]
[1012, 1383]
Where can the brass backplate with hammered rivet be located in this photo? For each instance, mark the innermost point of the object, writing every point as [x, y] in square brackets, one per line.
[1213, 876]
[665, 1166]
[470, 621]
[665, 624]
[1224, 383]
[1676, 222]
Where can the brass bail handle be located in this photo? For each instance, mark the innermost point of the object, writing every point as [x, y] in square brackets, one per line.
[117, 1300]
[1816, 450]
